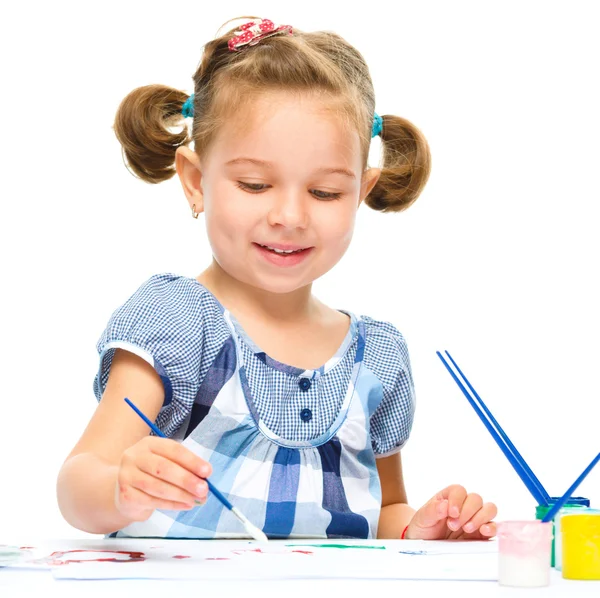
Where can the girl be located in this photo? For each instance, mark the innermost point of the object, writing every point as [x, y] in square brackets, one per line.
[296, 411]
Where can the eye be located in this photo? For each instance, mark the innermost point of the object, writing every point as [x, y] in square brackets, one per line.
[325, 195]
[251, 187]
[258, 187]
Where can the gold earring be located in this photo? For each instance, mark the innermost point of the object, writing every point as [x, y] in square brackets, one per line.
[194, 213]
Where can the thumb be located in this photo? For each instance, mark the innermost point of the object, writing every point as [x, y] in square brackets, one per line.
[431, 513]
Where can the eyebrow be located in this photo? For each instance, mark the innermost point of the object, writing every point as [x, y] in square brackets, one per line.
[265, 164]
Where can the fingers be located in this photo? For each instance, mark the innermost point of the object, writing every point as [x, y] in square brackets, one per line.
[139, 506]
[159, 488]
[481, 521]
[453, 514]
[432, 512]
[470, 505]
[188, 485]
[429, 522]
[488, 530]
[159, 473]
[456, 496]
[467, 513]
[173, 451]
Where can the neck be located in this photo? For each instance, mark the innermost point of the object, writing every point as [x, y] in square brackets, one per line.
[242, 298]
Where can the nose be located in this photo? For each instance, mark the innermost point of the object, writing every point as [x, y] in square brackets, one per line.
[289, 209]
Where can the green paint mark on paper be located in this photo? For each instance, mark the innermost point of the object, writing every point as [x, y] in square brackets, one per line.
[338, 546]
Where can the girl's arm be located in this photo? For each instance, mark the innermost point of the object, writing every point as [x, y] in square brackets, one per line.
[395, 513]
[92, 495]
[87, 481]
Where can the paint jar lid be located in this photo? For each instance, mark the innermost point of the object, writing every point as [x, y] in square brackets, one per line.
[541, 510]
[574, 500]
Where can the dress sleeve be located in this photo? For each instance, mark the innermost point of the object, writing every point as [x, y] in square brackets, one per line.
[392, 420]
[158, 323]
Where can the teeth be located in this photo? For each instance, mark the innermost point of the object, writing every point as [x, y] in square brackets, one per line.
[281, 250]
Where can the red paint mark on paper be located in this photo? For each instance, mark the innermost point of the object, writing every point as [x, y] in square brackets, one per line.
[217, 558]
[57, 558]
[26, 547]
[243, 550]
[180, 556]
[304, 551]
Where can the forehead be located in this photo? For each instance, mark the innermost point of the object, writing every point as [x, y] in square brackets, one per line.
[284, 126]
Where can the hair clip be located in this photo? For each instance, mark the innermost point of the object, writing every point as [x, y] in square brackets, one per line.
[254, 31]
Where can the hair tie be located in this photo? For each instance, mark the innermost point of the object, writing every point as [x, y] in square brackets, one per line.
[377, 125]
[188, 108]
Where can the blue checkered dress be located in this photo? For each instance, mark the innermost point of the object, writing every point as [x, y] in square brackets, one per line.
[293, 449]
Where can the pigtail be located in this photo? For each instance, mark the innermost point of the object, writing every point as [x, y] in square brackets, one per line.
[406, 166]
[142, 126]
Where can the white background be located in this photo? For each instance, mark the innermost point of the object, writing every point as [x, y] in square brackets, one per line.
[496, 262]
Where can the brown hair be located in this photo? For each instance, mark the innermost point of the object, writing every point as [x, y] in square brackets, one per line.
[318, 62]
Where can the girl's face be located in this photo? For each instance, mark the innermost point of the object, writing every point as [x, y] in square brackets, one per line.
[286, 177]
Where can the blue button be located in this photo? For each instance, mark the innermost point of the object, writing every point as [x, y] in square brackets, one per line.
[306, 415]
[304, 383]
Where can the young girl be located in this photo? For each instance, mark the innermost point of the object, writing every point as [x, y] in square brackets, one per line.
[295, 410]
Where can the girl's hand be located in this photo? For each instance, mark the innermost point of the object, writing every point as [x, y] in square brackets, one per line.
[159, 473]
[452, 514]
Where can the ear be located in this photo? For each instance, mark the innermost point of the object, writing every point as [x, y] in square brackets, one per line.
[187, 165]
[369, 180]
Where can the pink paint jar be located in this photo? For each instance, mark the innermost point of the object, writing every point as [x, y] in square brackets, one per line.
[524, 549]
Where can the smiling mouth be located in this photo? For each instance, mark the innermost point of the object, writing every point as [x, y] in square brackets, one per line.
[283, 251]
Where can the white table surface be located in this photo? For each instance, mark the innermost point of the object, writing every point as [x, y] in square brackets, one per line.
[15, 582]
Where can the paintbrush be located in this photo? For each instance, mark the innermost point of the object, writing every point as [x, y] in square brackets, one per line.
[250, 528]
[506, 446]
[534, 480]
[558, 505]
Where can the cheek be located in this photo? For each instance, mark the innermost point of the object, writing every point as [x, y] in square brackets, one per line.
[340, 227]
[227, 213]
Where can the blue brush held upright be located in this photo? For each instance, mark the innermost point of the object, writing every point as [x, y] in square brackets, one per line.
[493, 427]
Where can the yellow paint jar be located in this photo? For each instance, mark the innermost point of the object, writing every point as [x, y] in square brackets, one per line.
[581, 545]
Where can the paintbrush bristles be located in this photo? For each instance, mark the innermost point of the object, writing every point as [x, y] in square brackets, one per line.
[250, 528]
[256, 533]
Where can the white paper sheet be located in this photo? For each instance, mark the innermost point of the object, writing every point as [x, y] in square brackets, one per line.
[10, 555]
[275, 560]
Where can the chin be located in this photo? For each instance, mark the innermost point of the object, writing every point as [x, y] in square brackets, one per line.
[273, 285]
[279, 288]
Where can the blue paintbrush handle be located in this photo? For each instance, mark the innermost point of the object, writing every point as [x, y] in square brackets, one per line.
[507, 453]
[506, 439]
[158, 432]
[558, 505]
[151, 425]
